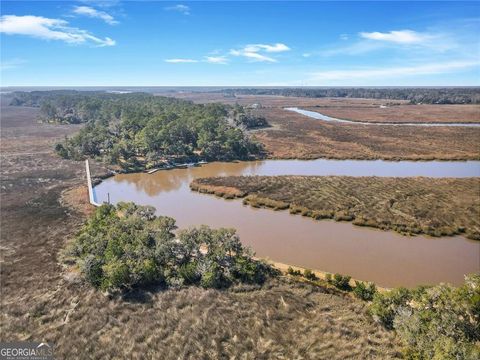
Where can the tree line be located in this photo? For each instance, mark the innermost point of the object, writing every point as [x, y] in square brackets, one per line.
[140, 130]
[450, 95]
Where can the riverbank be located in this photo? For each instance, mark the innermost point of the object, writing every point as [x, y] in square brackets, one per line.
[410, 206]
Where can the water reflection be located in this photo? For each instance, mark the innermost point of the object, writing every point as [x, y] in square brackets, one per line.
[385, 257]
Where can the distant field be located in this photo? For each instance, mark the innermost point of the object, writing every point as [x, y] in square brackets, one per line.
[296, 136]
[403, 113]
[430, 206]
[370, 110]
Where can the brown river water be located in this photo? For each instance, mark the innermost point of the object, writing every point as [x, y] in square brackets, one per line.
[385, 257]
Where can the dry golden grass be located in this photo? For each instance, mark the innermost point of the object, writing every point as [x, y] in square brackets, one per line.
[430, 206]
[402, 113]
[41, 300]
[297, 136]
[77, 198]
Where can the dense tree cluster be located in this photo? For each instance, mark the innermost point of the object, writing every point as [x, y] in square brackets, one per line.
[451, 95]
[439, 322]
[140, 130]
[128, 246]
[245, 119]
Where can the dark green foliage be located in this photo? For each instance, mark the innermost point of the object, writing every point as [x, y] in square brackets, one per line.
[309, 275]
[340, 281]
[440, 322]
[290, 271]
[364, 291]
[129, 246]
[246, 119]
[140, 130]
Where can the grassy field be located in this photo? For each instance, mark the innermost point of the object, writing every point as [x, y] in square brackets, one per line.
[297, 136]
[43, 204]
[402, 113]
[294, 136]
[430, 206]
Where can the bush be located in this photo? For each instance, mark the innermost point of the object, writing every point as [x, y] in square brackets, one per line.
[440, 322]
[291, 271]
[385, 306]
[310, 275]
[364, 291]
[189, 273]
[341, 281]
[129, 246]
[214, 278]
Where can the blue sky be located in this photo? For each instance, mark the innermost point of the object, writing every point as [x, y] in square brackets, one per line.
[148, 43]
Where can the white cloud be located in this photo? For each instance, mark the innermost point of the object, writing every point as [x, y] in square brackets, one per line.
[180, 61]
[183, 9]
[49, 29]
[394, 72]
[398, 36]
[93, 13]
[216, 59]
[253, 52]
[253, 56]
[278, 47]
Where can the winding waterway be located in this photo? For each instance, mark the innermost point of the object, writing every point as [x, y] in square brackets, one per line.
[319, 116]
[385, 257]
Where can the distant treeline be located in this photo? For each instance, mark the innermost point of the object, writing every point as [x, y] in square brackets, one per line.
[468, 95]
[141, 130]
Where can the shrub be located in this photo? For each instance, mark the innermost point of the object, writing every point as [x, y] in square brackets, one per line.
[309, 274]
[291, 271]
[440, 322]
[214, 278]
[364, 291]
[92, 269]
[385, 306]
[189, 273]
[341, 281]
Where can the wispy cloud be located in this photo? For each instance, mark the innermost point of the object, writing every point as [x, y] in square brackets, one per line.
[278, 47]
[49, 29]
[398, 36]
[11, 64]
[216, 59]
[394, 40]
[94, 13]
[393, 72]
[255, 52]
[102, 3]
[253, 56]
[180, 61]
[182, 9]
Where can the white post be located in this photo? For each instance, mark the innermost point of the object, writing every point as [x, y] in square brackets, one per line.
[91, 193]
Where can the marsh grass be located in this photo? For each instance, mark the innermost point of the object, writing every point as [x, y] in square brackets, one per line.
[410, 206]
